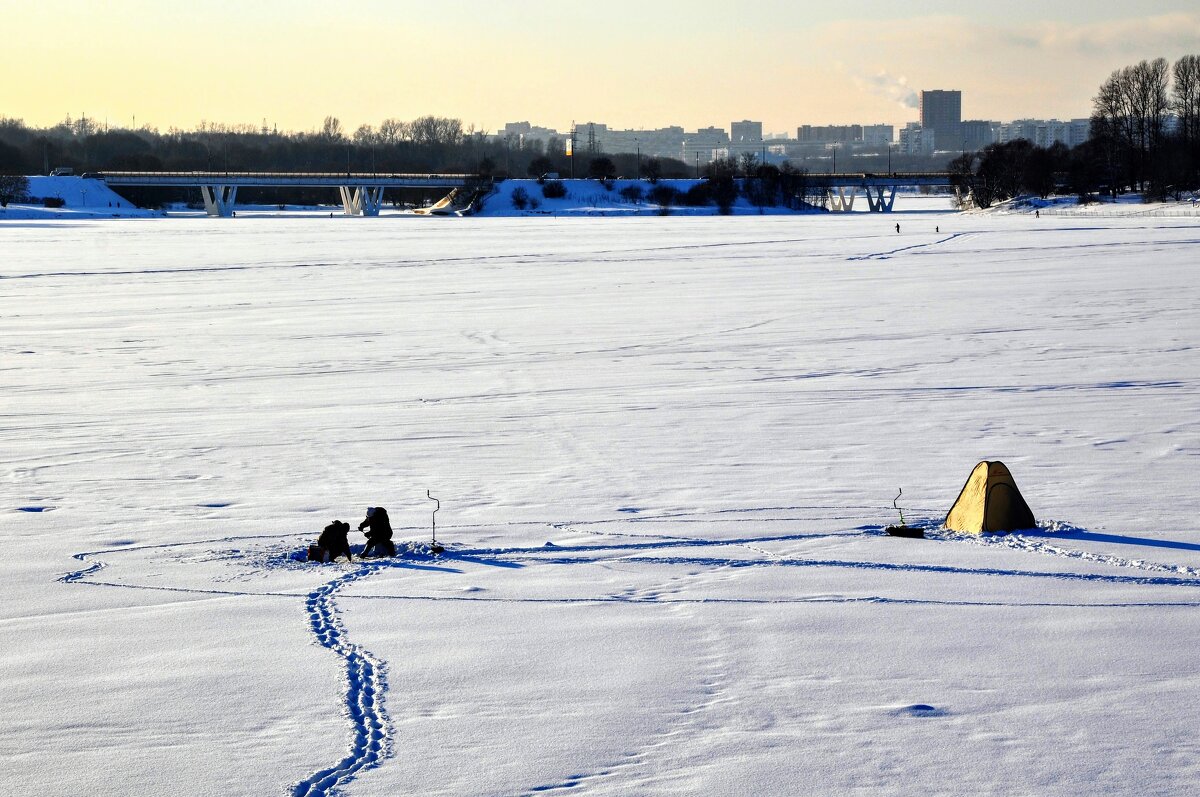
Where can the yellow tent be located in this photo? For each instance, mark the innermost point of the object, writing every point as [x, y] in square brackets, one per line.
[990, 501]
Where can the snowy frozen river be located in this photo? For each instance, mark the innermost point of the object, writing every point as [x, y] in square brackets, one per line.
[664, 450]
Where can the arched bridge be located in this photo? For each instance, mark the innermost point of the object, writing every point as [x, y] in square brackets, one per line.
[362, 193]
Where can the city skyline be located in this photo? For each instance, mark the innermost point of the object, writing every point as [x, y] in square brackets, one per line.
[628, 64]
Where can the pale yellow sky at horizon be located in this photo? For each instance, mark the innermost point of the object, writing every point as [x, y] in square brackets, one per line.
[629, 64]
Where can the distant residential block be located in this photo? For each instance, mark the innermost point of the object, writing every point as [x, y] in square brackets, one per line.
[745, 132]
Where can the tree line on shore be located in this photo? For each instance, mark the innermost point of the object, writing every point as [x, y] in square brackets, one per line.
[1144, 136]
[725, 179]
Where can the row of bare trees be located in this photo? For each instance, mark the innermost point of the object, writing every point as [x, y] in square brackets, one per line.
[1145, 136]
[1002, 171]
[1146, 117]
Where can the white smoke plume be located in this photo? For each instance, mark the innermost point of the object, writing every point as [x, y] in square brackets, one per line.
[892, 88]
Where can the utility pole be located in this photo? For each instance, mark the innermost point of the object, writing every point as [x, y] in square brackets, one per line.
[639, 158]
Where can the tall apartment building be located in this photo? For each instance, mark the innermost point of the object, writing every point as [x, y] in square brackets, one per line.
[710, 135]
[1045, 132]
[941, 112]
[745, 132]
[917, 140]
[878, 135]
[978, 133]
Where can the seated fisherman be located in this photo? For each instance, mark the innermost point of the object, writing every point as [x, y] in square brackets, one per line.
[380, 535]
[333, 541]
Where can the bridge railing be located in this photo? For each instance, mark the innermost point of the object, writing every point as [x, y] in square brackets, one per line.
[220, 175]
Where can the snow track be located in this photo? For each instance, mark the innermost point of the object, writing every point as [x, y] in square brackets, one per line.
[371, 733]
[1044, 545]
[686, 566]
[371, 728]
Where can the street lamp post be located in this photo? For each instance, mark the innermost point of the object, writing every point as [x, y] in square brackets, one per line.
[639, 158]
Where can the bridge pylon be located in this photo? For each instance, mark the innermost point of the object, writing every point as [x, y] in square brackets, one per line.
[881, 199]
[218, 199]
[839, 202]
[361, 200]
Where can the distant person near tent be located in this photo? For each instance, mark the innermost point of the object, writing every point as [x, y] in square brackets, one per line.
[380, 535]
[333, 541]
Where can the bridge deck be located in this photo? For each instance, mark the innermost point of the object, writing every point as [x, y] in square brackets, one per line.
[289, 179]
[881, 180]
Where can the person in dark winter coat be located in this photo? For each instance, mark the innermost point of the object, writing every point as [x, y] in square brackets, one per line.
[333, 541]
[380, 535]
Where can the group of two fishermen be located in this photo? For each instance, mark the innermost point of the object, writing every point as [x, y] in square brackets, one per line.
[333, 541]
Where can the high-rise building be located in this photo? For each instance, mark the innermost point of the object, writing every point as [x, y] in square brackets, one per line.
[941, 112]
[878, 135]
[917, 140]
[977, 134]
[745, 132]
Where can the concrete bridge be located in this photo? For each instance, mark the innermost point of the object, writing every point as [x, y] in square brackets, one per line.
[880, 189]
[362, 193]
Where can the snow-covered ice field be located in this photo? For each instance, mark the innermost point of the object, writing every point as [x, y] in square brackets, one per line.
[664, 450]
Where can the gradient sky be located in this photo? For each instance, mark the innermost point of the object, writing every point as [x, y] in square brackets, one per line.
[629, 63]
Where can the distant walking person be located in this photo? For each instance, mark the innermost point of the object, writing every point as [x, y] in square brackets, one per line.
[380, 535]
[1037, 214]
[897, 227]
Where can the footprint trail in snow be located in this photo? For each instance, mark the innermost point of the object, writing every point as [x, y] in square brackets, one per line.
[371, 740]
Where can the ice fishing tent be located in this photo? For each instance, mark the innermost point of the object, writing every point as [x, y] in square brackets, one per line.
[990, 501]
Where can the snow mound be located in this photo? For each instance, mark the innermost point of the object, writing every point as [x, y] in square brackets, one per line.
[81, 198]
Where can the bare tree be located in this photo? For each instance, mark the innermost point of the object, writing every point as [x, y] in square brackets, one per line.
[331, 129]
[432, 130]
[652, 170]
[365, 135]
[393, 131]
[748, 161]
[1131, 109]
[1150, 103]
[1186, 97]
[12, 187]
